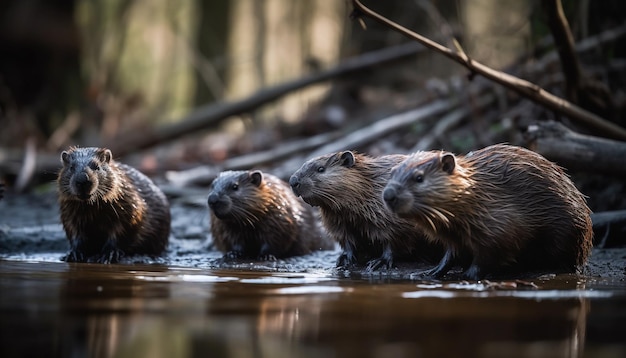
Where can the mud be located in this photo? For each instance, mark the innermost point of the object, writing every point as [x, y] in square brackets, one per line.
[191, 303]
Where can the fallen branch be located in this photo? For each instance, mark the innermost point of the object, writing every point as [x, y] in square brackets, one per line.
[279, 152]
[384, 126]
[609, 228]
[210, 115]
[580, 89]
[522, 87]
[204, 175]
[449, 121]
[577, 151]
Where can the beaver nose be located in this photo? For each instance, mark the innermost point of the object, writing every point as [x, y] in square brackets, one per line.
[294, 182]
[82, 184]
[82, 180]
[213, 199]
[390, 195]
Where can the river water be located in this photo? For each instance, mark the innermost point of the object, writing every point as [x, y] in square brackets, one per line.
[189, 304]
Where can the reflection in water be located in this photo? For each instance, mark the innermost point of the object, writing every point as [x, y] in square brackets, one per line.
[131, 311]
[97, 302]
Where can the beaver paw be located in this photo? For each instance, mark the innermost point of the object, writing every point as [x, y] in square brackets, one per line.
[109, 256]
[266, 257]
[379, 263]
[74, 256]
[233, 255]
[346, 260]
[447, 261]
[474, 273]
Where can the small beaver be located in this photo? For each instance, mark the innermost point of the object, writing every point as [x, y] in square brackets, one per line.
[109, 209]
[510, 208]
[348, 189]
[255, 215]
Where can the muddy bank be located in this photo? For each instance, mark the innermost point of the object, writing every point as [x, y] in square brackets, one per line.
[30, 230]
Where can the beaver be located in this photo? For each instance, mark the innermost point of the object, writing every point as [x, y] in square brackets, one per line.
[510, 208]
[109, 209]
[347, 187]
[255, 215]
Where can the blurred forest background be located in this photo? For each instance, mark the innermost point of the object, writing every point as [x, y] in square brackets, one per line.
[115, 72]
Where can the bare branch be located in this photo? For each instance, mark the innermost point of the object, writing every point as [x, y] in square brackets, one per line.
[522, 87]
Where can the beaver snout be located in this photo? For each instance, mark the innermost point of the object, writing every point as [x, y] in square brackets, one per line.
[390, 196]
[83, 185]
[220, 206]
[213, 199]
[294, 182]
[397, 199]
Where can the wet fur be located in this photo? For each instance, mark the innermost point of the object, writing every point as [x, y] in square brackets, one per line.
[347, 187]
[118, 212]
[509, 207]
[261, 218]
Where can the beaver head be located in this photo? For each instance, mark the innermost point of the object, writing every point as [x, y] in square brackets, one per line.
[329, 180]
[426, 185]
[86, 175]
[233, 194]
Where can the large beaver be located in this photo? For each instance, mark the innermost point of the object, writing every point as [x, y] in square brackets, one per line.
[255, 215]
[508, 207]
[348, 187]
[109, 209]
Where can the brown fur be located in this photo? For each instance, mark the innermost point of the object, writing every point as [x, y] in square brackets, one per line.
[508, 207]
[348, 187]
[109, 209]
[255, 215]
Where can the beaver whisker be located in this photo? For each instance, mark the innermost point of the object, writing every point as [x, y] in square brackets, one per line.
[330, 201]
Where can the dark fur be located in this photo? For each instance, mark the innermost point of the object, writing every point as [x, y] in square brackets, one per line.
[255, 215]
[348, 187]
[508, 207]
[109, 209]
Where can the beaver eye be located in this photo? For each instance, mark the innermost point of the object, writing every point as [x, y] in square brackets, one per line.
[419, 178]
[320, 169]
[234, 186]
[94, 166]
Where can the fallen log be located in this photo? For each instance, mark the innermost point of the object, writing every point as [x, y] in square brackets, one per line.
[609, 228]
[577, 151]
[208, 116]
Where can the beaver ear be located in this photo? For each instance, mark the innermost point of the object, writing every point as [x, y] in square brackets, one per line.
[105, 155]
[256, 177]
[448, 162]
[65, 157]
[347, 159]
